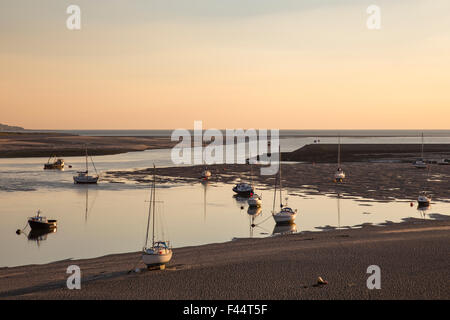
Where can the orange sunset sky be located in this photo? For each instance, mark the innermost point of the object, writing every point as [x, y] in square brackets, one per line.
[249, 63]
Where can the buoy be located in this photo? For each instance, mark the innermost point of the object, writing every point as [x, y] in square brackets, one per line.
[18, 231]
[242, 207]
[411, 204]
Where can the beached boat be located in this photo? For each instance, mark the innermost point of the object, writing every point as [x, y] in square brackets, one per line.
[159, 253]
[83, 177]
[424, 200]
[243, 189]
[339, 175]
[40, 222]
[421, 163]
[54, 163]
[286, 215]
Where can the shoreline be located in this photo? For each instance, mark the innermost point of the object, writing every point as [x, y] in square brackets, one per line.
[222, 270]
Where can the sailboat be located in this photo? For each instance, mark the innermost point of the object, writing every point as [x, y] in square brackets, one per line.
[159, 253]
[424, 199]
[83, 177]
[286, 215]
[339, 175]
[255, 200]
[420, 163]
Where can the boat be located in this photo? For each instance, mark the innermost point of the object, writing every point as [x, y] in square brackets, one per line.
[159, 253]
[54, 163]
[286, 215]
[40, 222]
[243, 189]
[254, 200]
[420, 163]
[339, 175]
[424, 200]
[206, 174]
[83, 177]
[444, 162]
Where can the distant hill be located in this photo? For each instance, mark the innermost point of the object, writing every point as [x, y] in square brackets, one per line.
[5, 127]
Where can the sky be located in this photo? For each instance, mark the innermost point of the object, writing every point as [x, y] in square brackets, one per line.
[286, 64]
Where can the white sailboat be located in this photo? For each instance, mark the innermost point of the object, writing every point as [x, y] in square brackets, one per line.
[83, 177]
[159, 253]
[424, 199]
[420, 163]
[286, 215]
[339, 175]
[255, 200]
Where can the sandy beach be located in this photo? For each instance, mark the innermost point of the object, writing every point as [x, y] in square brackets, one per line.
[413, 257]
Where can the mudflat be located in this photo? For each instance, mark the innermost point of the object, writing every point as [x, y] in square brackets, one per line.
[17, 145]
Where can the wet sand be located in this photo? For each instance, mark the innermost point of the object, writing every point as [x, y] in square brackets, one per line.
[413, 257]
[17, 145]
[376, 181]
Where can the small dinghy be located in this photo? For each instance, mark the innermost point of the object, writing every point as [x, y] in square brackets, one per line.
[40, 222]
[159, 253]
[243, 189]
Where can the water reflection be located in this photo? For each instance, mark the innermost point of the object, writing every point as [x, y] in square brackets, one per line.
[423, 211]
[284, 229]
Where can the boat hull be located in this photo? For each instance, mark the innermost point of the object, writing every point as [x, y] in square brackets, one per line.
[84, 180]
[281, 218]
[156, 259]
[50, 224]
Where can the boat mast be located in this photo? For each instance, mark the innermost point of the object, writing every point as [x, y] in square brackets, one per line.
[149, 213]
[339, 151]
[86, 159]
[281, 199]
[422, 147]
[154, 195]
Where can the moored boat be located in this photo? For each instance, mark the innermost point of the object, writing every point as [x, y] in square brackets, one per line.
[54, 163]
[40, 222]
[243, 189]
[286, 215]
[83, 177]
[159, 253]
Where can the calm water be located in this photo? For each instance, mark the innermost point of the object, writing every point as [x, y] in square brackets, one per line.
[111, 218]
